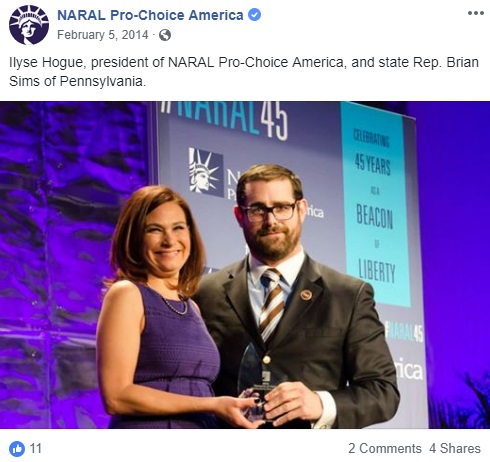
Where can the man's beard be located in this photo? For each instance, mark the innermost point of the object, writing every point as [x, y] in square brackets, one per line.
[272, 249]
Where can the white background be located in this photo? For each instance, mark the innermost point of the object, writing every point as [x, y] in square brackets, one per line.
[243, 445]
[308, 29]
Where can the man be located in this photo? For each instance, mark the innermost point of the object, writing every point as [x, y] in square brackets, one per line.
[317, 326]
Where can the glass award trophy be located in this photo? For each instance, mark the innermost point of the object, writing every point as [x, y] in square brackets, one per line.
[257, 377]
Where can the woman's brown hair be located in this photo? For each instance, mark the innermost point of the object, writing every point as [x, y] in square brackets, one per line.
[127, 257]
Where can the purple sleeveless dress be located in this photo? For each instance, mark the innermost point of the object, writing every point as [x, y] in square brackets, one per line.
[177, 355]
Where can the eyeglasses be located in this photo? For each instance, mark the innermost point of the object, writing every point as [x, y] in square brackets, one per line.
[257, 213]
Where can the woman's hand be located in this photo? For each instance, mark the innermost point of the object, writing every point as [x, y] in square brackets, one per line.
[232, 410]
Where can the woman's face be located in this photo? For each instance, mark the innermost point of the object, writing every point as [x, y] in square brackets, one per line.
[202, 181]
[28, 29]
[167, 239]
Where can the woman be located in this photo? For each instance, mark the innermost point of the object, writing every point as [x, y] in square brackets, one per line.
[155, 358]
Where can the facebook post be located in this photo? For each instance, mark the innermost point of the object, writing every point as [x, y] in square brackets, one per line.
[230, 215]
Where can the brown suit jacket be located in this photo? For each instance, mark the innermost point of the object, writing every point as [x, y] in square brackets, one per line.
[333, 341]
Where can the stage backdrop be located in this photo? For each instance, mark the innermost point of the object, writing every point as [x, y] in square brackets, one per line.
[358, 168]
[65, 170]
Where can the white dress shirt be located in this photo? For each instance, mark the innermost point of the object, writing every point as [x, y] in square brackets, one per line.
[289, 270]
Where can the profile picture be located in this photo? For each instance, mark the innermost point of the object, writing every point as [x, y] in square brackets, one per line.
[29, 25]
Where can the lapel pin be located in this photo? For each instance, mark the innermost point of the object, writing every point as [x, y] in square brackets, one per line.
[306, 295]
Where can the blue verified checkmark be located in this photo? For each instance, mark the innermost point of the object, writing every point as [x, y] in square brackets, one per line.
[254, 14]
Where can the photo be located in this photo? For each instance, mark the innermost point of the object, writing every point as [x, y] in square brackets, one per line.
[243, 264]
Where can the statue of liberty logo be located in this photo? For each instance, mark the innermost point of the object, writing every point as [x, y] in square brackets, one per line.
[29, 24]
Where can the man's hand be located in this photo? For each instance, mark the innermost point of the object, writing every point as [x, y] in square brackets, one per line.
[292, 400]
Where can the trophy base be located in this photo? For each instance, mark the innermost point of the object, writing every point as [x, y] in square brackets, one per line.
[257, 412]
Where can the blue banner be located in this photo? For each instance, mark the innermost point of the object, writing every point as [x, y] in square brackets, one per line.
[373, 159]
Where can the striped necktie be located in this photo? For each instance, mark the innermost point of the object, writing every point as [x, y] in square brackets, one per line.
[273, 308]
